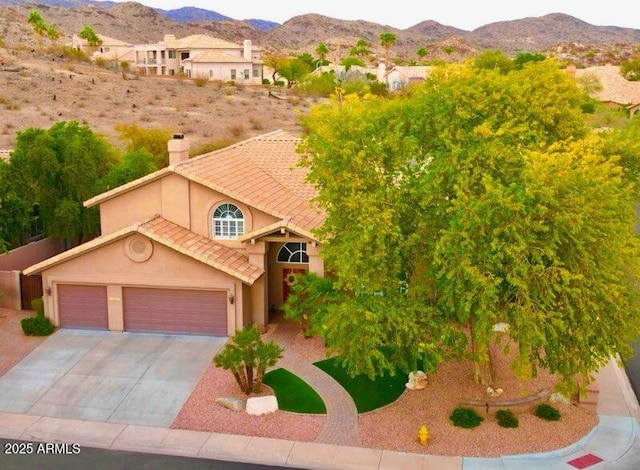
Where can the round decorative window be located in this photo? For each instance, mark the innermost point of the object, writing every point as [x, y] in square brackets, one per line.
[138, 248]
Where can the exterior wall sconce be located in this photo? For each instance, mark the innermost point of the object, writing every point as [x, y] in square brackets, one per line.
[48, 290]
[232, 299]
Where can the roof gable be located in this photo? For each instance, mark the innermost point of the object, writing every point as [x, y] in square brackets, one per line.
[172, 236]
[261, 172]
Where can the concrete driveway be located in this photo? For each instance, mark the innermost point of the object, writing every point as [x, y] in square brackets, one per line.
[126, 378]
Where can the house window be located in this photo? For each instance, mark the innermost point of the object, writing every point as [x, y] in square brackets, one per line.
[233, 74]
[293, 253]
[210, 73]
[256, 73]
[172, 54]
[246, 74]
[228, 222]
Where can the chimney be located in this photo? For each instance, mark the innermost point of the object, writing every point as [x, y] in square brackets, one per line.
[178, 149]
[247, 50]
[169, 38]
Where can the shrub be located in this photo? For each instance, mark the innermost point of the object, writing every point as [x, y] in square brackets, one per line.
[37, 326]
[101, 62]
[247, 357]
[507, 419]
[201, 80]
[74, 54]
[465, 418]
[38, 306]
[266, 81]
[547, 412]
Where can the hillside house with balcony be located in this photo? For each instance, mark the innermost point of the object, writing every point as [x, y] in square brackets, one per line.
[200, 55]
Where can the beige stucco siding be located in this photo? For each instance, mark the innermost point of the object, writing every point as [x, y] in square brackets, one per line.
[110, 266]
[203, 203]
[175, 200]
[131, 207]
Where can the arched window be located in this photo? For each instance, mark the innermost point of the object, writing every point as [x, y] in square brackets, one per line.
[293, 253]
[228, 222]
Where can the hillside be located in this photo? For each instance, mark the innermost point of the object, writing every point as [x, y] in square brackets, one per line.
[136, 23]
[39, 90]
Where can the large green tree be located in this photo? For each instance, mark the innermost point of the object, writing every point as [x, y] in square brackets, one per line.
[478, 199]
[58, 169]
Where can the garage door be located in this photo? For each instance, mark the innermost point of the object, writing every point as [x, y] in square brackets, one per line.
[175, 311]
[83, 306]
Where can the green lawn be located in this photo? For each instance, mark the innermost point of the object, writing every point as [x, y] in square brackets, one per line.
[293, 393]
[367, 395]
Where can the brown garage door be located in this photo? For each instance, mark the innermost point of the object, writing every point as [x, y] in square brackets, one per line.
[83, 306]
[175, 311]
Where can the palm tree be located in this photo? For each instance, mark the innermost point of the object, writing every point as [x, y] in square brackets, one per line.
[322, 50]
[386, 41]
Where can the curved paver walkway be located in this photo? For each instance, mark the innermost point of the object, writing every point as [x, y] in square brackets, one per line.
[341, 424]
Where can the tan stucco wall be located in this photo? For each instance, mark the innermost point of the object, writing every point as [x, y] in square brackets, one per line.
[203, 203]
[130, 207]
[110, 266]
[175, 200]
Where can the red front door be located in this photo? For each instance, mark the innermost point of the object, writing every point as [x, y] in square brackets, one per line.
[286, 273]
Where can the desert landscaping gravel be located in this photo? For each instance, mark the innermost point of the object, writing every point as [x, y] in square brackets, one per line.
[395, 427]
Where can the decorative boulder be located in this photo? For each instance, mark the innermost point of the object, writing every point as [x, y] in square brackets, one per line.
[234, 404]
[262, 405]
[501, 327]
[494, 392]
[417, 380]
[557, 397]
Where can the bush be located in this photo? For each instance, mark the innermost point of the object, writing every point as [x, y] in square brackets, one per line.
[201, 80]
[74, 54]
[38, 306]
[547, 412]
[465, 418]
[37, 326]
[266, 81]
[507, 419]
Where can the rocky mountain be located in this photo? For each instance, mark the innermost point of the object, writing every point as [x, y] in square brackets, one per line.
[136, 23]
[543, 32]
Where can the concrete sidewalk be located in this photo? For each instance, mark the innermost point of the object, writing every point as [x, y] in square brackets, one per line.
[614, 440]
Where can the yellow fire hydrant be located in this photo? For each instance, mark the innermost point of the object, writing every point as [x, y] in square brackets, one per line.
[423, 435]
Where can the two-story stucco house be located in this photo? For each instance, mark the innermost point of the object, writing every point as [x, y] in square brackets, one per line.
[204, 246]
[200, 55]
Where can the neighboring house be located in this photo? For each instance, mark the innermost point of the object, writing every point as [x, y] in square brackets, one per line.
[205, 246]
[401, 76]
[109, 49]
[201, 55]
[616, 91]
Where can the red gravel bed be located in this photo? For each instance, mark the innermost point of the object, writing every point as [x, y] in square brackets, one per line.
[201, 413]
[14, 345]
[395, 427]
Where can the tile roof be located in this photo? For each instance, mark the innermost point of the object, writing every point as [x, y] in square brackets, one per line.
[200, 41]
[173, 236]
[216, 57]
[203, 249]
[615, 88]
[261, 172]
[276, 227]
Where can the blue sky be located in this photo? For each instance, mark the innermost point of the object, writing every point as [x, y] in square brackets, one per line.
[466, 15]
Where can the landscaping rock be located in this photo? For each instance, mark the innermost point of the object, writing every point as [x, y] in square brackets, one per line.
[559, 398]
[234, 404]
[417, 380]
[262, 405]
